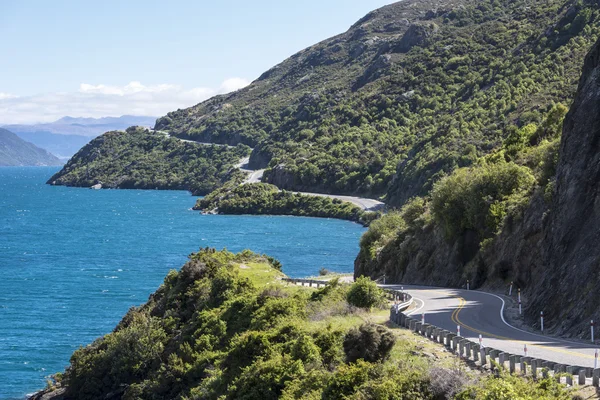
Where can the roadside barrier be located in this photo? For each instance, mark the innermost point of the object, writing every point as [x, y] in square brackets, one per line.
[303, 281]
[490, 357]
[391, 294]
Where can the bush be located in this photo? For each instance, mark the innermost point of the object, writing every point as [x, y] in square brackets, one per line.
[478, 198]
[369, 342]
[364, 293]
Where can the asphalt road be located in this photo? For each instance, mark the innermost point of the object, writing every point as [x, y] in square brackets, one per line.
[364, 203]
[480, 313]
[255, 176]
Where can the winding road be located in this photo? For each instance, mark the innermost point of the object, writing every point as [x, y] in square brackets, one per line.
[255, 176]
[480, 313]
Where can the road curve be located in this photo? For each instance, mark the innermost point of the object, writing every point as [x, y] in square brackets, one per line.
[480, 313]
[362, 202]
[255, 176]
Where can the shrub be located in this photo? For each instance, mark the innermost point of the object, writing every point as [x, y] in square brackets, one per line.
[369, 342]
[478, 198]
[364, 293]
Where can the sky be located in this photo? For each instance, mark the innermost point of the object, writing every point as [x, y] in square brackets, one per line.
[89, 58]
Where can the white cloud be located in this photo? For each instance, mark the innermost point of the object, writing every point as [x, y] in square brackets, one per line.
[101, 100]
[6, 96]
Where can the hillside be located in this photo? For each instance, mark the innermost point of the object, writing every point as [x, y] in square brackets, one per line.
[410, 92]
[63, 146]
[526, 214]
[142, 159]
[14, 151]
[225, 327]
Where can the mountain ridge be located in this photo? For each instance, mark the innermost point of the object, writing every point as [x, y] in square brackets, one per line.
[15, 151]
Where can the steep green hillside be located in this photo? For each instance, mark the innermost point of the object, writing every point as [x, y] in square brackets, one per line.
[14, 151]
[225, 328]
[142, 159]
[409, 93]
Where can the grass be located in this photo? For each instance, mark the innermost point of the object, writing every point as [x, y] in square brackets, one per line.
[260, 273]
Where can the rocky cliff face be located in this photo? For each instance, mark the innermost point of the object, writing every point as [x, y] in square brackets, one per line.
[425, 256]
[572, 264]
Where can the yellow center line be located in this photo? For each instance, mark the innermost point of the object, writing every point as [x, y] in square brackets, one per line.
[455, 318]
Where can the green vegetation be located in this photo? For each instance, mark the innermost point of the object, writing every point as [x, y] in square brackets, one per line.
[481, 197]
[141, 159]
[388, 108]
[261, 198]
[364, 293]
[225, 328]
[368, 342]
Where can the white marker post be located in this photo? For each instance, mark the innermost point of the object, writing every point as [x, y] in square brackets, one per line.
[481, 341]
[520, 309]
[592, 329]
[423, 318]
[519, 295]
[542, 321]
[525, 349]
[457, 330]
[510, 289]
[596, 359]
[467, 284]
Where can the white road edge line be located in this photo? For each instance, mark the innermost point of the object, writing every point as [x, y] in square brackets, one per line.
[521, 330]
[417, 309]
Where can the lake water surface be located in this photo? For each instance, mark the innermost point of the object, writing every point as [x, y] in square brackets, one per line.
[72, 261]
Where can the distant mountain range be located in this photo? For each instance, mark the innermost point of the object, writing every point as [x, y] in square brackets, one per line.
[67, 135]
[14, 151]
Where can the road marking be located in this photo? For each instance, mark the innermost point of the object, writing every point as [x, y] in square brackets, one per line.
[455, 318]
[417, 309]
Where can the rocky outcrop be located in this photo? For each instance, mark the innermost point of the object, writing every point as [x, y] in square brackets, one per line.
[50, 394]
[416, 35]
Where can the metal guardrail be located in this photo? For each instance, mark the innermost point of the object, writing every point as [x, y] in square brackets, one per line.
[303, 281]
[495, 358]
[392, 294]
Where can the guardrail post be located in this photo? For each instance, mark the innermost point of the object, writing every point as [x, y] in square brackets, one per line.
[511, 363]
[455, 343]
[483, 356]
[468, 346]
[462, 348]
[534, 367]
[570, 371]
[545, 373]
[449, 338]
[475, 349]
[558, 369]
[418, 327]
[501, 359]
[581, 380]
[596, 377]
[493, 353]
[524, 362]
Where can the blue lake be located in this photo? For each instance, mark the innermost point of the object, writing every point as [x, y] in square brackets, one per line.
[73, 261]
